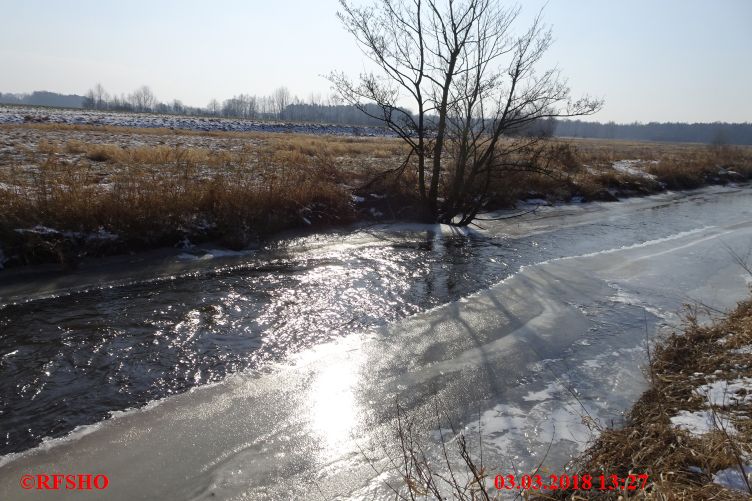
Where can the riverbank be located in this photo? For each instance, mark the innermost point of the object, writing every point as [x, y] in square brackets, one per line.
[691, 431]
[72, 191]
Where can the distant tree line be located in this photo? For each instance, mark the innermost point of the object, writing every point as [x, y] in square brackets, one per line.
[281, 105]
[43, 98]
[709, 133]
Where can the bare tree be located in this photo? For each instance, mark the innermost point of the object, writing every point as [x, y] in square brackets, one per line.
[143, 99]
[267, 106]
[178, 107]
[281, 99]
[470, 82]
[213, 107]
[314, 99]
[90, 100]
[249, 105]
[96, 98]
[241, 106]
[100, 96]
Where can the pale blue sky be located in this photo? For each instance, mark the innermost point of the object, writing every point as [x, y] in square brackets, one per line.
[652, 60]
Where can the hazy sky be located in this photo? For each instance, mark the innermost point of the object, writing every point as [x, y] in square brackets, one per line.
[652, 60]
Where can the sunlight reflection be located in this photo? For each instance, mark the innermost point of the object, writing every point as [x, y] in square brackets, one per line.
[334, 409]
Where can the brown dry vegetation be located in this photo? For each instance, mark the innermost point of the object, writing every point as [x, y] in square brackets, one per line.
[155, 187]
[681, 464]
[585, 168]
[159, 195]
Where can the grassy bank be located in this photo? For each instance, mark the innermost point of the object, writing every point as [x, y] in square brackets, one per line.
[691, 431]
[72, 191]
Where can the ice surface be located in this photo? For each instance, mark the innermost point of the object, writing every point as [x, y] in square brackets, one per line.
[211, 254]
[528, 363]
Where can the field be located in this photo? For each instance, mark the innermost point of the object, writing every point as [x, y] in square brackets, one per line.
[68, 191]
[20, 114]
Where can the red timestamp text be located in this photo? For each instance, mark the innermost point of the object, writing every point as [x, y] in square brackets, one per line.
[576, 482]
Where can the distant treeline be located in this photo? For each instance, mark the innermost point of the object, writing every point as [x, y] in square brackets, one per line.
[44, 98]
[280, 105]
[710, 133]
[333, 113]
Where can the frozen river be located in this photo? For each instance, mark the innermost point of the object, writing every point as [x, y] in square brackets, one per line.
[275, 374]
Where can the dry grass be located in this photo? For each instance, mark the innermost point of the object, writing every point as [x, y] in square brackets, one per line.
[159, 186]
[681, 464]
[159, 195]
[585, 168]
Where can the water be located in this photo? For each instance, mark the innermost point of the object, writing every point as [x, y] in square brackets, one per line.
[72, 359]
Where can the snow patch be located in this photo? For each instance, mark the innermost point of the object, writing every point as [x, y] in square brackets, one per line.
[732, 478]
[211, 254]
[631, 168]
[700, 422]
[533, 201]
[744, 350]
[11, 188]
[727, 393]
[39, 230]
[725, 339]
[102, 234]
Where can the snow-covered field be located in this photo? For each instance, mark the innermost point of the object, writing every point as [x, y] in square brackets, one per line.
[19, 115]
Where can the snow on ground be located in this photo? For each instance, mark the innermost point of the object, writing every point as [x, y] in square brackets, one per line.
[726, 339]
[700, 422]
[9, 187]
[721, 393]
[39, 230]
[21, 114]
[44, 231]
[632, 167]
[727, 393]
[731, 478]
[528, 202]
[102, 234]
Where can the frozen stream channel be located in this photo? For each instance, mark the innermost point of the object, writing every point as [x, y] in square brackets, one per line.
[501, 327]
